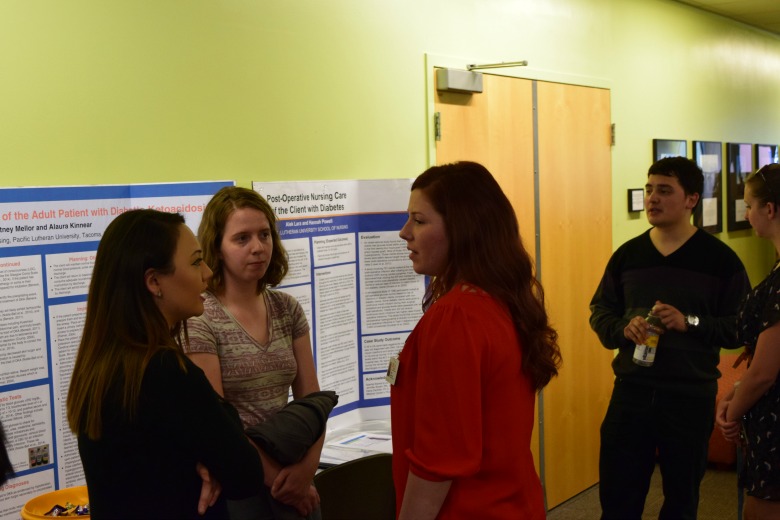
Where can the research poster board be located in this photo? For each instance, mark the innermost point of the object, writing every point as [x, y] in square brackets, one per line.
[349, 269]
[351, 273]
[48, 240]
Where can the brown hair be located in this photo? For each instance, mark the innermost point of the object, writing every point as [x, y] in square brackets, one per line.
[212, 229]
[485, 248]
[765, 183]
[124, 327]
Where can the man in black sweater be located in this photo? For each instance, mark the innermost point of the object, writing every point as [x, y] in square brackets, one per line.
[694, 283]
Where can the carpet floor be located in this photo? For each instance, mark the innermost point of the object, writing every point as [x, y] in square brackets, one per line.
[718, 499]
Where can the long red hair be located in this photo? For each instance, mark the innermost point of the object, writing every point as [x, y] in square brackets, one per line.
[485, 249]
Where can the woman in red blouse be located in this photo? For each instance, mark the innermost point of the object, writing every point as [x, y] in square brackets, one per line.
[462, 400]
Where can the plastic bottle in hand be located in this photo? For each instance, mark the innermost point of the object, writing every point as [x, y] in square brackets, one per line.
[644, 354]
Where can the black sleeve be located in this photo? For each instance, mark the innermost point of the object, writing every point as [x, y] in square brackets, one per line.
[206, 426]
[289, 433]
[721, 330]
[607, 310]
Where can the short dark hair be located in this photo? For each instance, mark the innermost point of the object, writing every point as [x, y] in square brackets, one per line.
[683, 169]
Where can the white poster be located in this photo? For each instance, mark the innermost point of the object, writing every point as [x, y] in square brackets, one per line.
[351, 272]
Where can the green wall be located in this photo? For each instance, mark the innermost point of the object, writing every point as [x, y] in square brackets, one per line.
[108, 91]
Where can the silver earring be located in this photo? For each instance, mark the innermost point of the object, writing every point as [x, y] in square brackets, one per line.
[159, 293]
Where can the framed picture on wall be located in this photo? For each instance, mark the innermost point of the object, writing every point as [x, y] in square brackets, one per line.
[766, 154]
[636, 199]
[708, 214]
[669, 148]
[739, 157]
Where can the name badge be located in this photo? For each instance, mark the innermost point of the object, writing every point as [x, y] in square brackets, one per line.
[392, 370]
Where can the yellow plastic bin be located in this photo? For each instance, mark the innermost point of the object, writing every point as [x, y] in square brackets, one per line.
[35, 508]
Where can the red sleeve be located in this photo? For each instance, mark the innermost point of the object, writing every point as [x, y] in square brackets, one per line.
[448, 403]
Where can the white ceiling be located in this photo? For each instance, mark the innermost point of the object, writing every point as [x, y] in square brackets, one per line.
[764, 14]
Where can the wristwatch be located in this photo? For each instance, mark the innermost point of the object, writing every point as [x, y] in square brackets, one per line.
[691, 322]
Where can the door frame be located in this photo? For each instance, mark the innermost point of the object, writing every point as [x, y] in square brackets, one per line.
[535, 78]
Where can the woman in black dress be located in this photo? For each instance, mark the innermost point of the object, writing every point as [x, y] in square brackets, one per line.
[751, 412]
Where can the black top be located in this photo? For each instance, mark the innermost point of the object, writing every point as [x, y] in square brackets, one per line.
[703, 277]
[760, 477]
[760, 310]
[147, 469]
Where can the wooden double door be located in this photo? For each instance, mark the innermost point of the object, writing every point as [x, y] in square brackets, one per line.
[549, 146]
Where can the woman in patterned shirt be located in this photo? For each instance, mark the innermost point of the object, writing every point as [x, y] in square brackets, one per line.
[252, 341]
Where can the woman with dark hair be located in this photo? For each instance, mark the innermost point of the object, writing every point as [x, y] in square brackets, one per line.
[464, 385]
[753, 407]
[151, 430]
[253, 341]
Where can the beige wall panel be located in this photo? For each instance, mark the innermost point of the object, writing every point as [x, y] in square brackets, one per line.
[576, 242]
